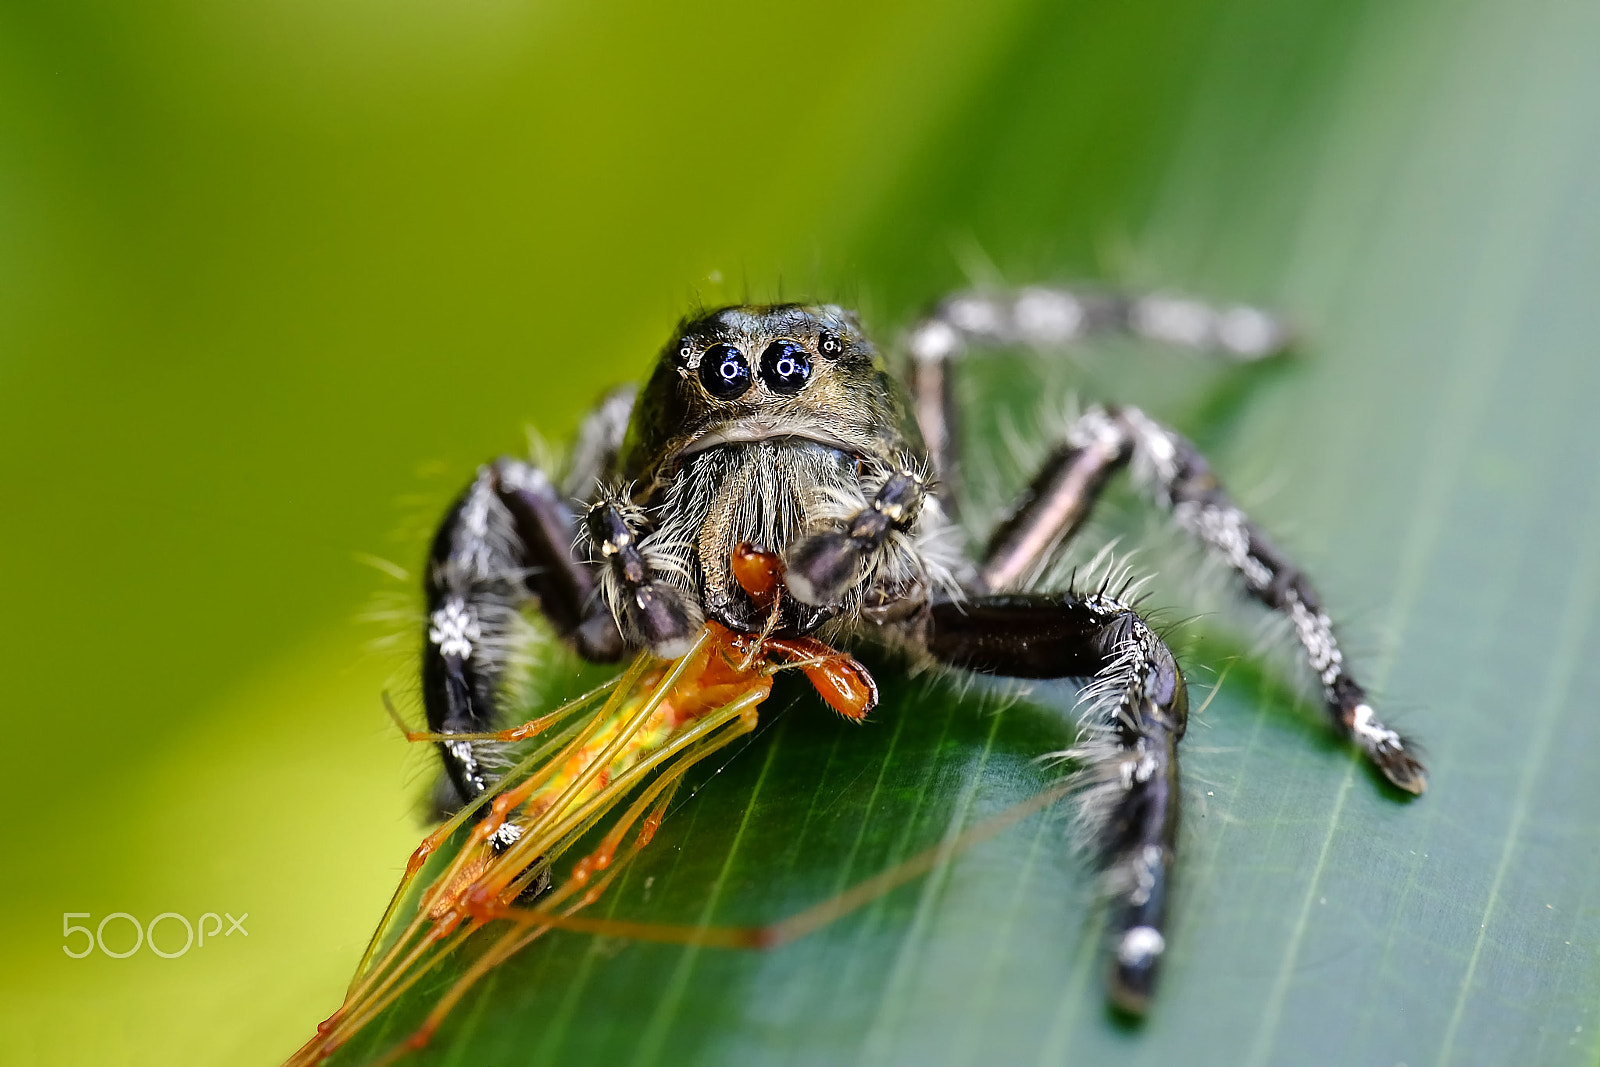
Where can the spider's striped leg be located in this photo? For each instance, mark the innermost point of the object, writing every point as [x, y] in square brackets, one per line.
[1056, 502]
[1065, 490]
[1181, 480]
[1054, 317]
[652, 612]
[594, 452]
[1137, 708]
[504, 544]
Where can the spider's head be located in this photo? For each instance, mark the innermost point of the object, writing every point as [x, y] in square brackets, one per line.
[764, 372]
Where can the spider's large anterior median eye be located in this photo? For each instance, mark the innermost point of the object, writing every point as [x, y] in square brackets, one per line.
[785, 367]
[724, 372]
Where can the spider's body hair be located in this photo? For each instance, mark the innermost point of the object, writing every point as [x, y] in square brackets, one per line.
[765, 493]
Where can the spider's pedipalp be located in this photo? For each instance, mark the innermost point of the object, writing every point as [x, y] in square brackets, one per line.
[655, 612]
[821, 567]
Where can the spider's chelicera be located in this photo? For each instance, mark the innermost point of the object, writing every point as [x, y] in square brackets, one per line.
[778, 430]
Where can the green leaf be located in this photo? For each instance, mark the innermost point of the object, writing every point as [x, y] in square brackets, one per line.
[270, 245]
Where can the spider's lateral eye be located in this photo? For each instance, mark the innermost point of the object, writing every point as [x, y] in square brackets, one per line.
[785, 367]
[829, 344]
[724, 372]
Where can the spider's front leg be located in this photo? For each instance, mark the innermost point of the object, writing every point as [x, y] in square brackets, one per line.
[503, 545]
[1138, 707]
[1181, 480]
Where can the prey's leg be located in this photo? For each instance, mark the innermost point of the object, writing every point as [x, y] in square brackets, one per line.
[1054, 317]
[1137, 709]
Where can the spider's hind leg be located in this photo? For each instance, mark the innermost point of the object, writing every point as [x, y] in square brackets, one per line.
[1137, 710]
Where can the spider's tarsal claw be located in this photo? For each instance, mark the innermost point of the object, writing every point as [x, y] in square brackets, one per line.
[1389, 752]
[1135, 961]
[1402, 769]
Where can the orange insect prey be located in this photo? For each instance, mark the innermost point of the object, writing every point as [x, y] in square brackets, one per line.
[839, 678]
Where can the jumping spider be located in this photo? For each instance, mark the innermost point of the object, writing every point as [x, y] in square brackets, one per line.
[778, 427]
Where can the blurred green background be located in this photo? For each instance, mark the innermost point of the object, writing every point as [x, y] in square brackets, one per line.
[274, 277]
